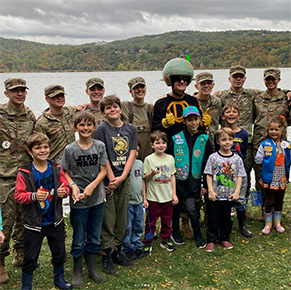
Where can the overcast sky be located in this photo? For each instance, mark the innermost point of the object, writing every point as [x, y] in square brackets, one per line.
[85, 21]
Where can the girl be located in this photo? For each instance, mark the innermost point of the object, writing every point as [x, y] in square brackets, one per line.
[274, 155]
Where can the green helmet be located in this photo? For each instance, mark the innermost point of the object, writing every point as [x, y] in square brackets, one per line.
[177, 67]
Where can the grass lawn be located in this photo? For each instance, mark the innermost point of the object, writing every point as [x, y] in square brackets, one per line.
[262, 262]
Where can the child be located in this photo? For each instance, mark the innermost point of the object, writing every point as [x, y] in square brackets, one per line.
[274, 155]
[160, 193]
[84, 164]
[40, 187]
[121, 141]
[191, 149]
[2, 237]
[230, 114]
[224, 171]
[132, 245]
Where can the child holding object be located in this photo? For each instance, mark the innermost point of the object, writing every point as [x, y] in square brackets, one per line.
[274, 156]
[40, 187]
[224, 171]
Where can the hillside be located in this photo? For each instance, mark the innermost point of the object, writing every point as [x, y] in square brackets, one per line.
[209, 50]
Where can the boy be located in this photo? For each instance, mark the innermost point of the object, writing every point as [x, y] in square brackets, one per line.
[121, 141]
[159, 196]
[224, 171]
[84, 164]
[40, 187]
[191, 149]
[16, 125]
[132, 245]
[230, 114]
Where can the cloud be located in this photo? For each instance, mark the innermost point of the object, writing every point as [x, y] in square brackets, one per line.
[76, 22]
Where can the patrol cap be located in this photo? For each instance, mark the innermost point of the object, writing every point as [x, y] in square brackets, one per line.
[94, 81]
[273, 72]
[204, 76]
[53, 90]
[237, 69]
[13, 83]
[190, 110]
[136, 81]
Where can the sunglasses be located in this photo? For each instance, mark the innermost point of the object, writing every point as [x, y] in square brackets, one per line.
[179, 79]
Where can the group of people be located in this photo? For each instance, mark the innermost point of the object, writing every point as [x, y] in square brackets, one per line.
[132, 156]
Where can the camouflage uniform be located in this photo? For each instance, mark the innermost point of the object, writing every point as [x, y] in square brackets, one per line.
[15, 128]
[99, 118]
[265, 108]
[60, 130]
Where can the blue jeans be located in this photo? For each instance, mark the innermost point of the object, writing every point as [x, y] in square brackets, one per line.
[87, 224]
[134, 228]
[241, 205]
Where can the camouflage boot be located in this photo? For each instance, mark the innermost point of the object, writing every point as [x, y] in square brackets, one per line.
[18, 257]
[4, 278]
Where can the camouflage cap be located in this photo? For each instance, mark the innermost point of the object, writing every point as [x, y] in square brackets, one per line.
[237, 69]
[273, 72]
[13, 83]
[53, 90]
[136, 81]
[204, 76]
[94, 81]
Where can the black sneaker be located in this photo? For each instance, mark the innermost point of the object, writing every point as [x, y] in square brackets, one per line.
[200, 243]
[107, 265]
[177, 239]
[139, 254]
[118, 257]
[147, 249]
[131, 255]
[168, 245]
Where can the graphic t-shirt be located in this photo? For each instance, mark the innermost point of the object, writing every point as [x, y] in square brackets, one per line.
[136, 176]
[225, 170]
[46, 180]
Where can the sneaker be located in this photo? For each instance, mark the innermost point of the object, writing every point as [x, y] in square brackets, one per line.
[131, 255]
[227, 245]
[147, 249]
[200, 243]
[139, 254]
[168, 245]
[210, 247]
[177, 239]
[120, 258]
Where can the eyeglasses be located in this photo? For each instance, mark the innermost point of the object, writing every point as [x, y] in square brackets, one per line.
[179, 79]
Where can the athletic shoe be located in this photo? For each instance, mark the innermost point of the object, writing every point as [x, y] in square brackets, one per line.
[131, 255]
[139, 254]
[177, 239]
[168, 245]
[147, 249]
[120, 258]
[200, 243]
[210, 247]
[227, 245]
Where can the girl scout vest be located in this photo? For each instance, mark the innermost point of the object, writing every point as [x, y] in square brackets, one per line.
[181, 154]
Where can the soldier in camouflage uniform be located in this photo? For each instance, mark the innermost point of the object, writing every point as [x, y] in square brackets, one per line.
[95, 90]
[204, 84]
[16, 125]
[139, 113]
[267, 105]
[57, 121]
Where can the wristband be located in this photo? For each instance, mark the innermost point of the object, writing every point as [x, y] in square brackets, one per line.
[72, 183]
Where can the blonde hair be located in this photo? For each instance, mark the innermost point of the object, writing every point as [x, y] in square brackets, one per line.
[224, 130]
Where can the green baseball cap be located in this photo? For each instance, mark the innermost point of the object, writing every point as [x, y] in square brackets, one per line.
[94, 81]
[53, 90]
[204, 76]
[237, 69]
[273, 72]
[136, 81]
[13, 83]
[190, 110]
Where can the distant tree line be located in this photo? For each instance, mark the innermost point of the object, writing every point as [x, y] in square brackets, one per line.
[207, 50]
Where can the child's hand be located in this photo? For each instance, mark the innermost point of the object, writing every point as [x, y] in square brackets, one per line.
[109, 192]
[145, 203]
[61, 191]
[203, 191]
[234, 196]
[88, 191]
[175, 199]
[76, 195]
[212, 195]
[114, 183]
[2, 237]
[41, 194]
